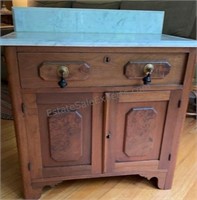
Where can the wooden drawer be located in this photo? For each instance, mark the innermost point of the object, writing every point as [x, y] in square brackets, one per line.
[100, 69]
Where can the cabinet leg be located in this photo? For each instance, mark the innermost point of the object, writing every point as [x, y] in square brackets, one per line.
[32, 193]
[159, 175]
[168, 181]
[35, 190]
[161, 182]
[164, 181]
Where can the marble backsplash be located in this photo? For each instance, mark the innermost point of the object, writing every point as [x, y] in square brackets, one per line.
[87, 20]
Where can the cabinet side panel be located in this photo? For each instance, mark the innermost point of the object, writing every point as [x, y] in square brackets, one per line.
[14, 84]
[181, 115]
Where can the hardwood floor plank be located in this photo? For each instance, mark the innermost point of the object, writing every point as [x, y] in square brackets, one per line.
[192, 192]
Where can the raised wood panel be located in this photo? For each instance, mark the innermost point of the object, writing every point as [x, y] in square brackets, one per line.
[48, 71]
[139, 125]
[150, 148]
[48, 161]
[161, 69]
[66, 133]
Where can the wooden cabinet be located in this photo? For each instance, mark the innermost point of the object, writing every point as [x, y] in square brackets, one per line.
[105, 122]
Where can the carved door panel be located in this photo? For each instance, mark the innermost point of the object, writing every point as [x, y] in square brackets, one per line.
[66, 139]
[134, 129]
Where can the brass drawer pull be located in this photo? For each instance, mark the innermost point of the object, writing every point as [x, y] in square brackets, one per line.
[63, 72]
[148, 69]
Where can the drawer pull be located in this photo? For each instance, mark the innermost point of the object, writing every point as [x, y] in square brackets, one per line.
[63, 72]
[148, 69]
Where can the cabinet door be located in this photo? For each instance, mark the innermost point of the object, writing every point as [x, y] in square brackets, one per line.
[65, 140]
[134, 126]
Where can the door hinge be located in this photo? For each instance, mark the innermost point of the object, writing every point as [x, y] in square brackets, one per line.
[179, 103]
[29, 166]
[23, 107]
[169, 157]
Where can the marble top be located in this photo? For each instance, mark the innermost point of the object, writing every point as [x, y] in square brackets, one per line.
[90, 28]
[94, 40]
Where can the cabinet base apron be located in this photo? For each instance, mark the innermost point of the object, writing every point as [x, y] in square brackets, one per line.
[39, 184]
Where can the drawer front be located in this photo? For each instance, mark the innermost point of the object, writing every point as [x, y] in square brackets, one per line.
[99, 69]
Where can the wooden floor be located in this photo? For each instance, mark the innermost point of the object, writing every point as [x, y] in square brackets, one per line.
[116, 188]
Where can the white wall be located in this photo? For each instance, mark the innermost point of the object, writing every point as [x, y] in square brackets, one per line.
[20, 3]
